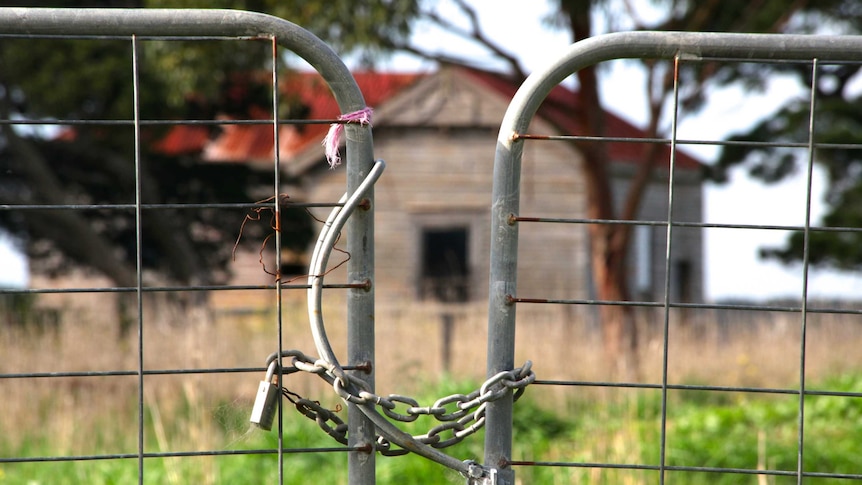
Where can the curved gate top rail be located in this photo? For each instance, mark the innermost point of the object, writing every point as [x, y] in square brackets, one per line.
[189, 23]
[666, 45]
[509, 150]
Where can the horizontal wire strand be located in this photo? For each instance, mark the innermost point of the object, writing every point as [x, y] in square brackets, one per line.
[177, 454]
[679, 468]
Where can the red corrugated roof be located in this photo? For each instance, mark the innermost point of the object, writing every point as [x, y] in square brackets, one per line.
[254, 143]
[562, 102]
[251, 143]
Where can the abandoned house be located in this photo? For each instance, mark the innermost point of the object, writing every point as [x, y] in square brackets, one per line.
[437, 133]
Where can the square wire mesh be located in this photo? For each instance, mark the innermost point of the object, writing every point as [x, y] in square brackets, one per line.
[150, 379]
[763, 371]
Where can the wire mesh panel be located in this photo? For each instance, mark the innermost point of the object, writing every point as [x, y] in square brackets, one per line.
[709, 392]
[140, 360]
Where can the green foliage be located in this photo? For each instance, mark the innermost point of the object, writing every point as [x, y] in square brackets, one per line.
[369, 27]
[838, 110]
[740, 431]
[837, 121]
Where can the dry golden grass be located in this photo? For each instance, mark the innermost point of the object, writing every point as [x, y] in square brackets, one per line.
[190, 411]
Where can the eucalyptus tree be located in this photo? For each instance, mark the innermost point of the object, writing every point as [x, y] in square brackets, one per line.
[609, 243]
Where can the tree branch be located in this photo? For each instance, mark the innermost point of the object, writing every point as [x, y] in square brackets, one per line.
[68, 230]
[428, 55]
[477, 35]
[182, 261]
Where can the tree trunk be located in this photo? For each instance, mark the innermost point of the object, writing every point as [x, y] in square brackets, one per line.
[608, 242]
[69, 229]
[619, 332]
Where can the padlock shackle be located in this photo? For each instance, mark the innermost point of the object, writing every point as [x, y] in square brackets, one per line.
[272, 363]
[270, 371]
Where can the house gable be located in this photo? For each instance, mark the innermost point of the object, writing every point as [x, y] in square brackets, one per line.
[449, 99]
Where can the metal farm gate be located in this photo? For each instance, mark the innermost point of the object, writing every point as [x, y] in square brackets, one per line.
[370, 428]
[811, 52]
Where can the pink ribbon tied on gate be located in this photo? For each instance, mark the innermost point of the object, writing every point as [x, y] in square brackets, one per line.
[333, 137]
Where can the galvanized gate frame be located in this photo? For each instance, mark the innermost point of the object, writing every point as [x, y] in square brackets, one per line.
[506, 192]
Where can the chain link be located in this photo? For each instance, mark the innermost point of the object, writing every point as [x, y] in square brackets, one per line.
[319, 414]
[460, 415]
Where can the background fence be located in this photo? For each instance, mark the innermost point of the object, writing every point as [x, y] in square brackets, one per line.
[723, 393]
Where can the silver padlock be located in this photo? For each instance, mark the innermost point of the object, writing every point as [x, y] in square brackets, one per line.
[263, 412]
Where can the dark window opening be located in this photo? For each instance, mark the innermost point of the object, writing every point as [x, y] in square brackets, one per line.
[682, 281]
[444, 265]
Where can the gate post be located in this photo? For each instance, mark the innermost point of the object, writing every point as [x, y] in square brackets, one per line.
[360, 302]
[501, 310]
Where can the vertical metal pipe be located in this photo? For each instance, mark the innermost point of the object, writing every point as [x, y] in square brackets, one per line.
[501, 311]
[360, 301]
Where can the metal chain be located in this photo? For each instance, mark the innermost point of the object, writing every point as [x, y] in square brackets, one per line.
[322, 416]
[460, 415]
